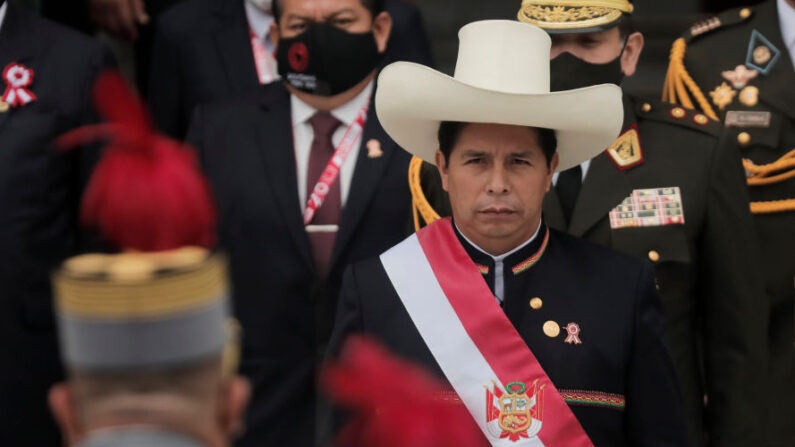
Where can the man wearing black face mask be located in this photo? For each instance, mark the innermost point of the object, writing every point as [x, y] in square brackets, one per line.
[664, 192]
[306, 181]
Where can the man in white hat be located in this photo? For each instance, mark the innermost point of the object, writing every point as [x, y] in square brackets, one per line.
[546, 339]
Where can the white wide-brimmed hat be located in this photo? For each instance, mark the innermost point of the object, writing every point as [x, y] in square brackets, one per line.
[502, 77]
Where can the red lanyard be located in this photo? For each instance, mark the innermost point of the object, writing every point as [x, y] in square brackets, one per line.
[332, 170]
[262, 61]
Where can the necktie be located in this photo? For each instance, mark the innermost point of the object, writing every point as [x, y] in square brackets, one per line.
[322, 238]
[568, 188]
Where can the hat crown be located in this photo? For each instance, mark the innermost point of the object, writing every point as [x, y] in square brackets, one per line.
[504, 56]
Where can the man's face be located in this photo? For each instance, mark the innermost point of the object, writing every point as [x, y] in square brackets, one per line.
[348, 15]
[497, 176]
[600, 47]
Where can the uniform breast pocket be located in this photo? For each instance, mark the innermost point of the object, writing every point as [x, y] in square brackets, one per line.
[659, 244]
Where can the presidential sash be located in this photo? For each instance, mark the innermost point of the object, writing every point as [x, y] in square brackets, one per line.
[482, 355]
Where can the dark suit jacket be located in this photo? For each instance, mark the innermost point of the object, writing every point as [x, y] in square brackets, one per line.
[39, 193]
[710, 286]
[286, 311]
[612, 298]
[708, 56]
[202, 53]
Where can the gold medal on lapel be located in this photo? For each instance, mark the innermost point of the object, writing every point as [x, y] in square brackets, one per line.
[723, 95]
[4, 106]
[626, 151]
[749, 96]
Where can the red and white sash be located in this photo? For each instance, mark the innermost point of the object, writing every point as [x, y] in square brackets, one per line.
[482, 355]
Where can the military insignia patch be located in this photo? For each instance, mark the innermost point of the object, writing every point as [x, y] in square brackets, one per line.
[762, 54]
[649, 208]
[723, 95]
[515, 413]
[626, 152]
[740, 76]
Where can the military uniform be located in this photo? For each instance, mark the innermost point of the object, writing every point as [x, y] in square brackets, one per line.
[736, 67]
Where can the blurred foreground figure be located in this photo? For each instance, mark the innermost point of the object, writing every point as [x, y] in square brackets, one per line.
[394, 403]
[739, 67]
[547, 339]
[146, 335]
[46, 73]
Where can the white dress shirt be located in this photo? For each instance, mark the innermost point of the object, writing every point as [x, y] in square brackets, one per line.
[3, 13]
[499, 264]
[786, 19]
[303, 136]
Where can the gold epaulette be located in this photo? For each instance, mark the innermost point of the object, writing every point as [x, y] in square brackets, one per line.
[679, 87]
[419, 203]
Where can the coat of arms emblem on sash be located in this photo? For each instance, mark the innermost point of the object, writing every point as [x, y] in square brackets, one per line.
[516, 412]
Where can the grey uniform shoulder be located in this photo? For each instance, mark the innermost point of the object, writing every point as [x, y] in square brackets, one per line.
[721, 22]
[677, 116]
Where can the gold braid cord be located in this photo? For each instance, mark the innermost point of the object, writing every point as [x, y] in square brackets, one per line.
[679, 85]
[419, 203]
[680, 88]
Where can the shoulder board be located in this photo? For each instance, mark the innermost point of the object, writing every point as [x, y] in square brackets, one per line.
[723, 20]
[677, 116]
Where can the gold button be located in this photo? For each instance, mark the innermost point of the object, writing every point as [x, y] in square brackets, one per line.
[536, 303]
[678, 112]
[551, 329]
[701, 119]
[646, 107]
[745, 13]
[744, 138]
[654, 256]
[4, 106]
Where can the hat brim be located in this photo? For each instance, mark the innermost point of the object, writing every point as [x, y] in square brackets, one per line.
[412, 100]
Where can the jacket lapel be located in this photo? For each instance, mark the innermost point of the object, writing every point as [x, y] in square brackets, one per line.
[776, 88]
[366, 176]
[276, 146]
[234, 47]
[605, 185]
[14, 47]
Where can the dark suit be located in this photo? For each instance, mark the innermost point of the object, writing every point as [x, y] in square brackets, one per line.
[202, 53]
[286, 311]
[612, 298]
[709, 54]
[39, 193]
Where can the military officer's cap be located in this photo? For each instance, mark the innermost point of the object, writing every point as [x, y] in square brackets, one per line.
[574, 16]
[163, 301]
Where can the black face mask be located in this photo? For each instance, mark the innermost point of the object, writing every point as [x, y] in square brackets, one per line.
[568, 72]
[325, 60]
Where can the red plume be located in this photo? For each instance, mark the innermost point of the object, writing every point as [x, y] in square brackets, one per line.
[394, 403]
[147, 192]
